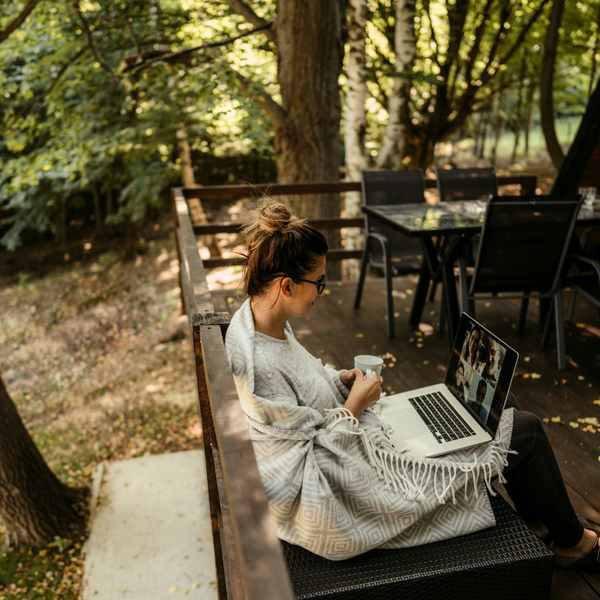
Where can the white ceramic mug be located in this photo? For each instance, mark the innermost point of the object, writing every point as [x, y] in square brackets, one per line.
[368, 363]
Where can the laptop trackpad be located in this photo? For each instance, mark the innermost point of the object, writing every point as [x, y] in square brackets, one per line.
[406, 423]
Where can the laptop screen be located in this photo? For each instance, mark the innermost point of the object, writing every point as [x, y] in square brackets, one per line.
[480, 371]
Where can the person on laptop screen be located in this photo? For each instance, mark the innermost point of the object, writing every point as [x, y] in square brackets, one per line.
[336, 483]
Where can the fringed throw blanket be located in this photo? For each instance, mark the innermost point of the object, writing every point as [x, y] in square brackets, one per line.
[336, 485]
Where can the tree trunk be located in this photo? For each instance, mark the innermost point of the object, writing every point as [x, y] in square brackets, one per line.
[594, 53]
[355, 118]
[34, 505]
[97, 212]
[307, 143]
[529, 119]
[519, 111]
[132, 239]
[391, 156]
[187, 172]
[546, 85]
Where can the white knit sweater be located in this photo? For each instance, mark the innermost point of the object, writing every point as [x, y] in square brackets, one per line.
[335, 485]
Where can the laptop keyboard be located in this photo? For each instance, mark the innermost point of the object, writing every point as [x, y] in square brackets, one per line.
[441, 418]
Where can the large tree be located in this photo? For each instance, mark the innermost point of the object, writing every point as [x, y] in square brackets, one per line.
[35, 506]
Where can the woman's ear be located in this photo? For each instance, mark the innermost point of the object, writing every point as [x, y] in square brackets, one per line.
[286, 286]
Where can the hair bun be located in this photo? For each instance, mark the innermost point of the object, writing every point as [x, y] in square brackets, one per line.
[270, 216]
[273, 216]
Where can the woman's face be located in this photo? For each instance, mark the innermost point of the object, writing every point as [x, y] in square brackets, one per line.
[473, 341]
[306, 293]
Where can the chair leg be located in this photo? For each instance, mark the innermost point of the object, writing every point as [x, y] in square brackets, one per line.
[560, 331]
[546, 334]
[388, 289]
[571, 306]
[442, 326]
[363, 272]
[523, 313]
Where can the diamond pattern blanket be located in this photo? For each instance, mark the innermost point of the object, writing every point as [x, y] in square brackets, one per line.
[336, 485]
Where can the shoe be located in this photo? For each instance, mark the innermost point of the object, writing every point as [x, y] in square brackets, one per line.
[590, 562]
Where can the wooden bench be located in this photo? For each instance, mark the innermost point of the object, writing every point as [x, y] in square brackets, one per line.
[506, 561]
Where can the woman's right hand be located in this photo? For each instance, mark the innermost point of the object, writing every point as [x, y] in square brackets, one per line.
[365, 393]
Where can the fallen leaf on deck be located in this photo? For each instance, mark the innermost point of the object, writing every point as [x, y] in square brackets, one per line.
[581, 378]
[597, 402]
[527, 359]
[487, 304]
[581, 325]
[360, 335]
[419, 345]
[564, 381]
[589, 421]
[574, 425]
[535, 376]
[425, 362]
[409, 292]
[557, 420]
[526, 375]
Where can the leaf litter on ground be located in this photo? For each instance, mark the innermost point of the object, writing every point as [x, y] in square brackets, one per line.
[98, 361]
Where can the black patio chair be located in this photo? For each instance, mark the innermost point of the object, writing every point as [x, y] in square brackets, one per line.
[463, 184]
[522, 250]
[466, 184]
[584, 279]
[385, 248]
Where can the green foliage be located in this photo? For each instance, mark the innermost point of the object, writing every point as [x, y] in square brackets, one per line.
[100, 110]
[463, 66]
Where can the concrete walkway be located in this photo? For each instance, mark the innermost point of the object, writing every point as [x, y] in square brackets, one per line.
[150, 531]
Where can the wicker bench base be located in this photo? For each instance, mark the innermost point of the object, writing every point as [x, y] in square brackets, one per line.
[504, 562]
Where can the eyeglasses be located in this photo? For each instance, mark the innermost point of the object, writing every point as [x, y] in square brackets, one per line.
[320, 284]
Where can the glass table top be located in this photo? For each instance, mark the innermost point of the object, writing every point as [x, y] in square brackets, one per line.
[461, 216]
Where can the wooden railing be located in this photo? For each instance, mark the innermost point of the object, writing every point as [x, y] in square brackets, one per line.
[228, 193]
[248, 555]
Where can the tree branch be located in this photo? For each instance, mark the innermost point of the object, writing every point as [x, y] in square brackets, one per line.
[243, 9]
[19, 20]
[169, 56]
[88, 35]
[44, 93]
[263, 99]
[523, 33]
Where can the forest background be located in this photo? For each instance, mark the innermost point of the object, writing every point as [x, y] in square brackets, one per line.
[107, 104]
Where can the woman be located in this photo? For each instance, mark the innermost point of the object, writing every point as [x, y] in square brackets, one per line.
[470, 349]
[335, 483]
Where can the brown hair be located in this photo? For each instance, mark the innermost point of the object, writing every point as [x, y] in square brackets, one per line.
[278, 244]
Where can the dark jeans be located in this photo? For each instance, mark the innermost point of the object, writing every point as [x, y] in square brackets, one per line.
[535, 483]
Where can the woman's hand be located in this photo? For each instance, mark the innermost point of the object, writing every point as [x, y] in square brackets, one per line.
[365, 393]
[348, 377]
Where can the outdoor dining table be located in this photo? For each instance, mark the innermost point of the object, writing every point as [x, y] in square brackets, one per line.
[459, 220]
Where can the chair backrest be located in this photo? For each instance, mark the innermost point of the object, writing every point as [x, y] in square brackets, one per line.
[466, 184]
[523, 243]
[392, 187]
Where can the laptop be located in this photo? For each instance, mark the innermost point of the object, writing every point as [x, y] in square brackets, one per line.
[465, 410]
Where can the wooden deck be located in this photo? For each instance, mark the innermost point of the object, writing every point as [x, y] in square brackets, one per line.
[335, 332]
